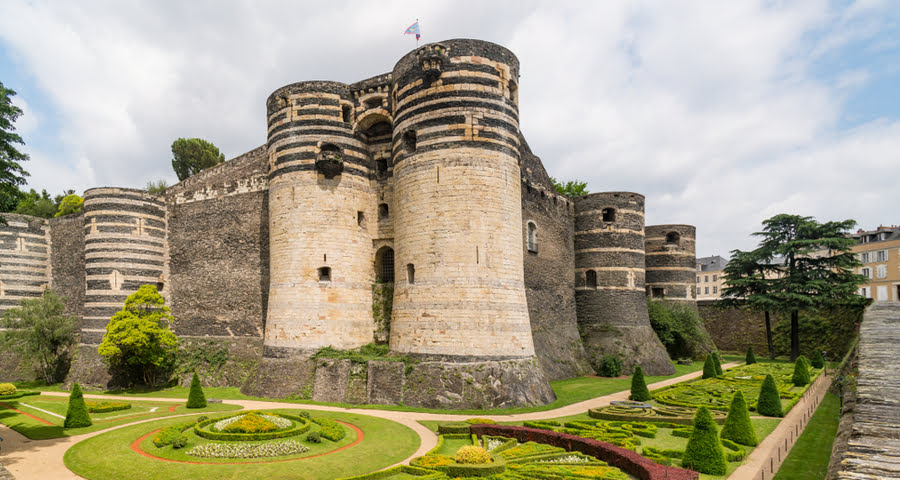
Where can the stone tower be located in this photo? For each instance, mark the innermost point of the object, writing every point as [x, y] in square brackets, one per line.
[319, 199]
[672, 263]
[609, 282]
[459, 287]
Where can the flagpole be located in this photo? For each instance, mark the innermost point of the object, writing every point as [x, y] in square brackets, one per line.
[417, 36]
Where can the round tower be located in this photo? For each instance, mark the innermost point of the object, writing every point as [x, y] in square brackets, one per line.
[320, 254]
[672, 263]
[124, 248]
[459, 288]
[609, 282]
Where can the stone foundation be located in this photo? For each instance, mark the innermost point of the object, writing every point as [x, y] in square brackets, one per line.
[637, 345]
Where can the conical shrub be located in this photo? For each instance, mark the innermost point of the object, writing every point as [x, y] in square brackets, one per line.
[737, 426]
[77, 414]
[818, 361]
[769, 402]
[639, 391]
[709, 367]
[196, 399]
[718, 363]
[801, 372]
[704, 450]
[751, 358]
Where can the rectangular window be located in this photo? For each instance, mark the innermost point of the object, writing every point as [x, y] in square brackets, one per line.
[706, 290]
[865, 292]
[706, 279]
[715, 278]
[881, 271]
[715, 289]
[864, 257]
[881, 256]
[882, 293]
[698, 279]
[866, 272]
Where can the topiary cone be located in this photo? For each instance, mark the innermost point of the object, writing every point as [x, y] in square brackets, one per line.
[709, 367]
[77, 415]
[196, 399]
[639, 391]
[751, 358]
[718, 363]
[737, 426]
[769, 402]
[801, 372]
[704, 450]
[818, 361]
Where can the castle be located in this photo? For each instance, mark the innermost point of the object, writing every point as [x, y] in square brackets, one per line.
[418, 179]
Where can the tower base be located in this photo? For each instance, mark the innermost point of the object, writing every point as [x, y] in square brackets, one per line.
[635, 344]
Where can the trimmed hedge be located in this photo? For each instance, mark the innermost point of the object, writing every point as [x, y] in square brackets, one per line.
[7, 389]
[196, 398]
[639, 391]
[301, 427]
[769, 402]
[801, 372]
[704, 450]
[718, 362]
[751, 358]
[818, 361]
[19, 394]
[106, 407]
[709, 367]
[411, 471]
[611, 365]
[329, 428]
[737, 425]
[453, 428]
[77, 413]
[471, 454]
[467, 470]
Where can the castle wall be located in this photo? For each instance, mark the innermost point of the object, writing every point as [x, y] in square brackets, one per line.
[124, 248]
[24, 259]
[321, 258]
[672, 262]
[609, 282]
[67, 261]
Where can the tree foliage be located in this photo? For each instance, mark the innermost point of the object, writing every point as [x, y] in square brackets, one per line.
[572, 188]
[679, 328]
[709, 367]
[704, 451]
[639, 391]
[11, 172]
[193, 155]
[750, 358]
[156, 187]
[138, 338]
[737, 426]
[196, 398]
[70, 204]
[77, 415]
[769, 401]
[40, 332]
[35, 204]
[801, 372]
[818, 361]
[717, 362]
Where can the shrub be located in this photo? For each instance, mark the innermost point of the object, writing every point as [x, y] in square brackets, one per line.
[704, 450]
[639, 392]
[611, 365]
[7, 389]
[330, 429]
[450, 428]
[472, 454]
[737, 425]
[314, 437]
[751, 358]
[251, 423]
[718, 363]
[679, 328]
[106, 407]
[769, 402]
[818, 361]
[196, 399]
[476, 421]
[709, 367]
[801, 372]
[180, 441]
[77, 414]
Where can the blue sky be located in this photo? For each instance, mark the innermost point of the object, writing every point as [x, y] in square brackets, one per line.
[721, 113]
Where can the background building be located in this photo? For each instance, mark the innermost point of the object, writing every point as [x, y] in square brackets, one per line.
[710, 271]
[879, 252]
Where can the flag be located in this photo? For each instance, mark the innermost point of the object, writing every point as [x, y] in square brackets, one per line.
[413, 30]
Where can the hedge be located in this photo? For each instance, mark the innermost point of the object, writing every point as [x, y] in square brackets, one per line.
[302, 427]
[769, 402]
[106, 407]
[718, 363]
[453, 428]
[709, 367]
[467, 470]
[411, 471]
[639, 392]
[801, 372]
[737, 425]
[77, 413]
[329, 428]
[818, 361]
[19, 394]
[196, 398]
[751, 358]
[7, 389]
[704, 449]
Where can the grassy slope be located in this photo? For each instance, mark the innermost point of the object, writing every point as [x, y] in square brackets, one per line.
[385, 443]
[809, 458]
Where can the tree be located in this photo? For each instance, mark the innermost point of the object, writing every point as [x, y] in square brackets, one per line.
[193, 155]
[704, 451]
[751, 358]
[818, 361]
[11, 173]
[42, 334]
[196, 398]
[769, 401]
[138, 338]
[36, 204]
[717, 362]
[801, 372]
[77, 415]
[817, 270]
[709, 367]
[70, 204]
[572, 188]
[737, 426]
[679, 328]
[748, 284]
[639, 391]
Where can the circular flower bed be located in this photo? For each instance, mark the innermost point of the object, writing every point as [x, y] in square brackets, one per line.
[250, 426]
[248, 449]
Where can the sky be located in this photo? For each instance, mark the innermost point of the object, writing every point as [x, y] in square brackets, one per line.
[722, 113]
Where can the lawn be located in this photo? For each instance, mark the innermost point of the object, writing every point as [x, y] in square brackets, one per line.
[809, 457]
[51, 412]
[385, 443]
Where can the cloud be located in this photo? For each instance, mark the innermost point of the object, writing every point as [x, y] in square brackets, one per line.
[714, 110]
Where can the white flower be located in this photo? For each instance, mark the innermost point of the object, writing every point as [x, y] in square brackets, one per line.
[247, 449]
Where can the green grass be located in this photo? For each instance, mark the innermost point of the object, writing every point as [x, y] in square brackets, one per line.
[569, 391]
[809, 457]
[37, 430]
[385, 443]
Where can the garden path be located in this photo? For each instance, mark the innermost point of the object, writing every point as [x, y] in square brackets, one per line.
[26, 459]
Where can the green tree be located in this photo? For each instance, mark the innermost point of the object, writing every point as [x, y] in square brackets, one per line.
[679, 328]
[818, 361]
[751, 358]
[11, 172]
[77, 415]
[748, 284]
[801, 372]
[737, 426]
[36, 204]
[572, 188]
[639, 391]
[156, 187]
[709, 367]
[717, 362]
[196, 398]
[769, 401]
[40, 332]
[704, 451]
[193, 155]
[70, 204]
[138, 338]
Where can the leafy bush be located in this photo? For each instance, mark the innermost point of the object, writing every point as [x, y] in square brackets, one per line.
[313, 437]
[251, 423]
[704, 450]
[718, 363]
[106, 407]
[180, 441]
[737, 425]
[70, 204]
[679, 328]
[77, 414]
[611, 365]
[801, 372]
[472, 454]
[769, 402]
[172, 434]
[639, 391]
[709, 367]
[330, 429]
[7, 389]
[450, 428]
[818, 361]
[751, 358]
[196, 399]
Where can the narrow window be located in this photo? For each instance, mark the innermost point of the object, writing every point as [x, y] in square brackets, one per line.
[160, 286]
[609, 214]
[715, 289]
[706, 279]
[361, 218]
[381, 168]
[715, 278]
[590, 278]
[706, 290]
[324, 274]
[384, 265]
[383, 211]
[531, 237]
[672, 238]
[410, 273]
[657, 292]
[477, 259]
[409, 140]
[698, 279]
[345, 113]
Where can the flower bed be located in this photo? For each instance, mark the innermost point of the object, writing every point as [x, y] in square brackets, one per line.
[218, 428]
[247, 449]
[106, 407]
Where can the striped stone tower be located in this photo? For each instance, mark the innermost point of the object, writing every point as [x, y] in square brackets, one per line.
[24, 259]
[320, 200]
[459, 288]
[672, 263]
[124, 248]
[609, 282]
